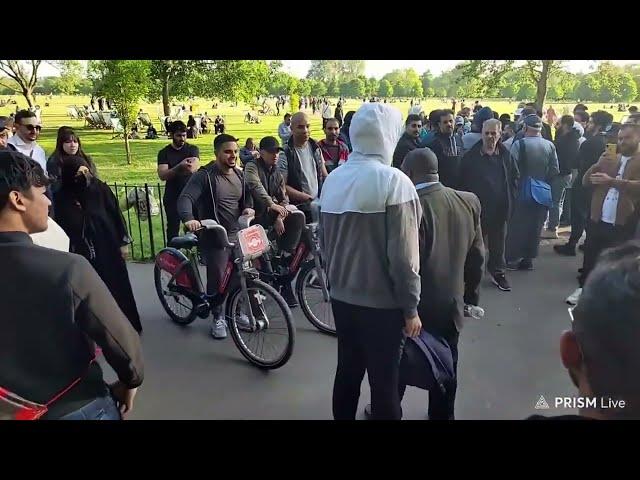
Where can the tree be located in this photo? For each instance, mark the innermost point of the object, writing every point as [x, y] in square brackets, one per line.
[318, 88]
[373, 86]
[416, 90]
[489, 73]
[225, 79]
[354, 88]
[430, 92]
[340, 70]
[427, 80]
[526, 92]
[441, 92]
[385, 89]
[126, 82]
[25, 75]
[628, 88]
[304, 87]
[71, 75]
[333, 89]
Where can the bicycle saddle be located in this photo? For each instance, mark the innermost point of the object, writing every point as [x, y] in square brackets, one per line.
[188, 240]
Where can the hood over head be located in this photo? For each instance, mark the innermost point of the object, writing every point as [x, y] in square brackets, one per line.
[374, 132]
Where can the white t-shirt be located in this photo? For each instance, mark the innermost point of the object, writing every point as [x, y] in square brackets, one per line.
[610, 205]
[309, 171]
[31, 149]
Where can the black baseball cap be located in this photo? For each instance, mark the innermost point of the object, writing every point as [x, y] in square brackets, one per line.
[270, 144]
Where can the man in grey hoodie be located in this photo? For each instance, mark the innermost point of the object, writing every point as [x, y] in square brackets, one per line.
[370, 214]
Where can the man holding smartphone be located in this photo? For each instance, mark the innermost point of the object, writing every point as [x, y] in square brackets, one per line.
[176, 163]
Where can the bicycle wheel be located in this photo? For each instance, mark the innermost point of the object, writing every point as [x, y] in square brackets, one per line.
[180, 308]
[317, 310]
[269, 347]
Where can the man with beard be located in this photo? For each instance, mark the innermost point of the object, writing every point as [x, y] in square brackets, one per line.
[409, 139]
[334, 151]
[588, 155]
[448, 148]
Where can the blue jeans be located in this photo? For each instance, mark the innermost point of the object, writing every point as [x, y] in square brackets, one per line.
[102, 408]
[558, 184]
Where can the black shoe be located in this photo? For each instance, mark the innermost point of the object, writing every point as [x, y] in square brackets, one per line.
[526, 264]
[287, 293]
[500, 281]
[581, 247]
[566, 249]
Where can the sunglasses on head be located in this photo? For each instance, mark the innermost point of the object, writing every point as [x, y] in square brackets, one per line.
[32, 127]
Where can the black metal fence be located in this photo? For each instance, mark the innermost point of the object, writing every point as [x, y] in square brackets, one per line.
[143, 211]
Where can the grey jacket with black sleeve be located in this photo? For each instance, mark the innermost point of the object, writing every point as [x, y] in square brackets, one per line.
[370, 215]
[266, 186]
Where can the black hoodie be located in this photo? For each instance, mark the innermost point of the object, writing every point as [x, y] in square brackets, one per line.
[567, 146]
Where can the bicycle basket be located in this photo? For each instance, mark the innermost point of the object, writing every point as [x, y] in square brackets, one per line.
[253, 242]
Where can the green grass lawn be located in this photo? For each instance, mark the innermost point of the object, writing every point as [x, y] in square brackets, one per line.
[109, 155]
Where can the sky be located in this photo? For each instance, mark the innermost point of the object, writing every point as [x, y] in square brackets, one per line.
[378, 68]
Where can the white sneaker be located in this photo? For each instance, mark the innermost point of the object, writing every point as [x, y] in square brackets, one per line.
[243, 322]
[219, 329]
[574, 297]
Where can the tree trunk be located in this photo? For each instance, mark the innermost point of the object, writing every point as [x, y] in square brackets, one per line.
[26, 92]
[126, 145]
[541, 92]
[165, 96]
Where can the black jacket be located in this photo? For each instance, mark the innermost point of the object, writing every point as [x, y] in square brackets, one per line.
[567, 146]
[471, 179]
[449, 150]
[202, 184]
[451, 257]
[294, 168]
[54, 306]
[404, 146]
[588, 155]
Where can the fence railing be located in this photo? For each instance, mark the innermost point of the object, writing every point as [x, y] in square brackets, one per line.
[143, 210]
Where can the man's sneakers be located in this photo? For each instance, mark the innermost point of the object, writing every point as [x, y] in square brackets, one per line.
[287, 293]
[500, 281]
[524, 264]
[574, 297]
[549, 234]
[219, 328]
[566, 249]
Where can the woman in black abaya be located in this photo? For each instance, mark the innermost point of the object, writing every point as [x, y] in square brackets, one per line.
[88, 212]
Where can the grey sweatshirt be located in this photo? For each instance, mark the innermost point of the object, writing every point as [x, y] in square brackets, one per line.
[370, 215]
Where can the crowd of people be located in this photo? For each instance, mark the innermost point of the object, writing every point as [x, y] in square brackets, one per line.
[410, 211]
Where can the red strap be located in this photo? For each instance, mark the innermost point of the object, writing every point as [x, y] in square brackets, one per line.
[73, 384]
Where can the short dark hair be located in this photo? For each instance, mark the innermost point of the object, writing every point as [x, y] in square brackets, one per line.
[505, 117]
[633, 109]
[24, 114]
[584, 116]
[413, 117]
[177, 127]
[580, 107]
[445, 111]
[18, 173]
[287, 115]
[607, 326]
[567, 120]
[221, 140]
[434, 116]
[602, 118]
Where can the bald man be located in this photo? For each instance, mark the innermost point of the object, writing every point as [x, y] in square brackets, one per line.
[451, 260]
[302, 165]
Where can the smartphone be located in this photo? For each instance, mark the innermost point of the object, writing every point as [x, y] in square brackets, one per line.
[612, 148]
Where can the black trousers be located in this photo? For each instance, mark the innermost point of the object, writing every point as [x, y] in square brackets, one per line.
[370, 340]
[579, 212]
[601, 236]
[293, 226]
[442, 405]
[170, 203]
[494, 232]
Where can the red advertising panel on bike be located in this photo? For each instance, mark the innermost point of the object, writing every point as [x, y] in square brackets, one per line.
[253, 242]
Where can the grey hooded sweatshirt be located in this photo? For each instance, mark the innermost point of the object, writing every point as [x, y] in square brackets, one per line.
[370, 215]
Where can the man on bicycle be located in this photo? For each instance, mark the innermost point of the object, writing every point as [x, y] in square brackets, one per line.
[302, 165]
[267, 187]
[217, 191]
